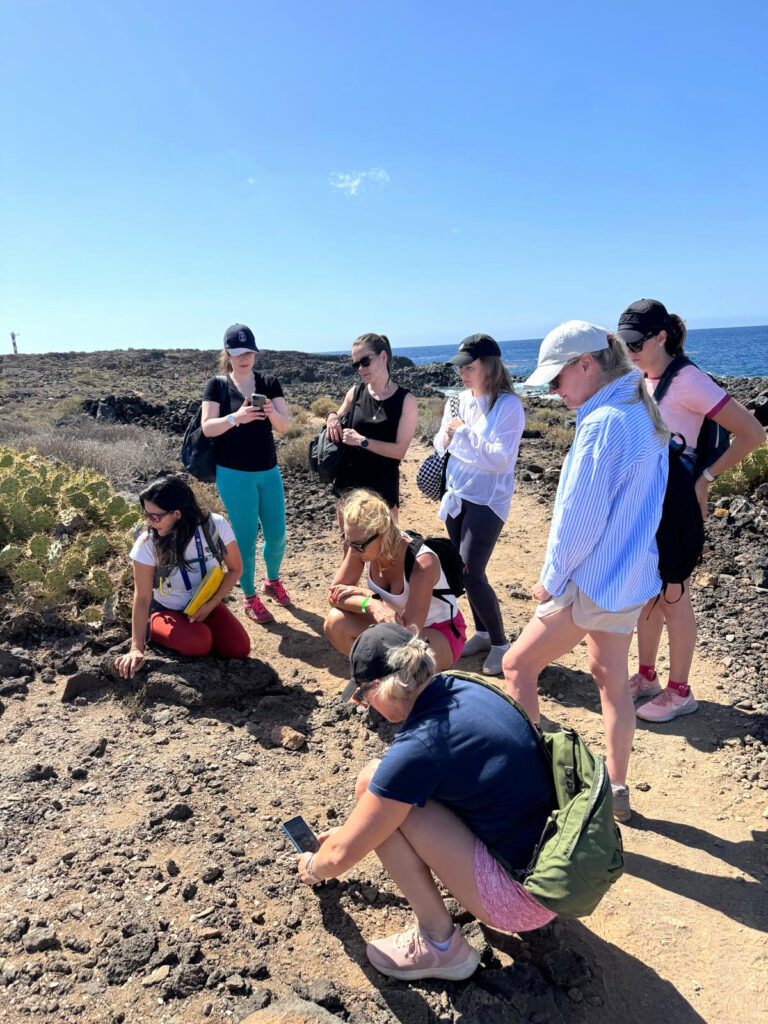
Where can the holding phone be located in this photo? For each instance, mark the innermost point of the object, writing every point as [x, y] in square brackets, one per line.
[301, 835]
[257, 400]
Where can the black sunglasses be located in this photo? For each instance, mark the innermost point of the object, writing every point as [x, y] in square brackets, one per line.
[636, 346]
[359, 695]
[359, 545]
[365, 362]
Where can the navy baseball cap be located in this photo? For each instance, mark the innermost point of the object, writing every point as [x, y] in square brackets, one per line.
[642, 320]
[370, 651]
[239, 339]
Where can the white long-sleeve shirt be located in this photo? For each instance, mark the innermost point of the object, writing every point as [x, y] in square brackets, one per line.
[483, 453]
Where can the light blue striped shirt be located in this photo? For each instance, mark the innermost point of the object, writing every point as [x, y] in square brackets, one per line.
[609, 499]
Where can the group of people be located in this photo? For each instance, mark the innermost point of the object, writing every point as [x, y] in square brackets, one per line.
[440, 802]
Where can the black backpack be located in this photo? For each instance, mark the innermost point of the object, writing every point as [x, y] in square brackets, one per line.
[451, 563]
[198, 455]
[680, 535]
[713, 440]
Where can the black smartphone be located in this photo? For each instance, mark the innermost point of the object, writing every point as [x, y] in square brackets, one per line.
[257, 401]
[301, 835]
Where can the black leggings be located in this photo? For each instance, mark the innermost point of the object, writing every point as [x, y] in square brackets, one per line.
[474, 531]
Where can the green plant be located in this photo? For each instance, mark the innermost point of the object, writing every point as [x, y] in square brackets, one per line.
[744, 477]
[323, 406]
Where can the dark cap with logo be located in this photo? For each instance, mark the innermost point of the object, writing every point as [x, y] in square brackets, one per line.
[368, 657]
[239, 339]
[473, 347]
[642, 320]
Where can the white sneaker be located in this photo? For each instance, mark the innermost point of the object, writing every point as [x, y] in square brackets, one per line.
[492, 664]
[476, 645]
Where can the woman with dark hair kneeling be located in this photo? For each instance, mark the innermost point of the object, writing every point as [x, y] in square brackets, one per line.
[463, 783]
[177, 540]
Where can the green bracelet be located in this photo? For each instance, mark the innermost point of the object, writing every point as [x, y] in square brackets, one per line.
[365, 601]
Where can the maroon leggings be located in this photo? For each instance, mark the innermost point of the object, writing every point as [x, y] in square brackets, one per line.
[220, 631]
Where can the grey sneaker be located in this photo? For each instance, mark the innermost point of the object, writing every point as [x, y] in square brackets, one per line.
[476, 645]
[621, 809]
[492, 664]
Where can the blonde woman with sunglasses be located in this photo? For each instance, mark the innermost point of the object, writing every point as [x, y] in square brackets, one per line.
[381, 419]
[376, 546]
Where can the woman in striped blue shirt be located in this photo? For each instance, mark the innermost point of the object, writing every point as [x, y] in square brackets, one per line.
[602, 562]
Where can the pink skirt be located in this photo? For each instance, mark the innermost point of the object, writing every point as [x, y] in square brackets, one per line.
[508, 906]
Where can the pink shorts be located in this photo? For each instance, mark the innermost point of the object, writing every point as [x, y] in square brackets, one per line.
[446, 628]
[508, 906]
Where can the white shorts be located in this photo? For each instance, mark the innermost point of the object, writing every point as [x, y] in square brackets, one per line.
[588, 615]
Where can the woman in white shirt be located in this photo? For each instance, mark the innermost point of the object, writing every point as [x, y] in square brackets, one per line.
[415, 595]
[178, 546]
[483, 442]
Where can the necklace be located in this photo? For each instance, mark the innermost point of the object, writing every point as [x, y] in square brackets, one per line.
[378, 403]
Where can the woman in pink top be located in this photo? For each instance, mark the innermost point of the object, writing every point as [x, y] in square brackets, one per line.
[654, 338]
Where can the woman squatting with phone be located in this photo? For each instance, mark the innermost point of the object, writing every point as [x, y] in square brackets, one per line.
[240, 412]
[440, 801]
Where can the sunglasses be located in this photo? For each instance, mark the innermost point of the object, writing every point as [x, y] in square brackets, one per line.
[359, 695]
[359, 545]
[365, 362]
[155, 517]
[636, 346]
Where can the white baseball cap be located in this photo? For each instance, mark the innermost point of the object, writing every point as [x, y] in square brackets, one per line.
[569, 340]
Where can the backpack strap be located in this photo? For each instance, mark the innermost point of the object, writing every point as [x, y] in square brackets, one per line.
[441, 593]
[669, 375]
[213, 537]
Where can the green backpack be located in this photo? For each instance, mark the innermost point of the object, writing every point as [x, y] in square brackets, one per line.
[580, 853]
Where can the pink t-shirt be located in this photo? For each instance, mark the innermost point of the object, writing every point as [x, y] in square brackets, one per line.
[691, 396]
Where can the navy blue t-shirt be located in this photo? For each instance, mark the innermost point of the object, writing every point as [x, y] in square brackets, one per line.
[470, 749]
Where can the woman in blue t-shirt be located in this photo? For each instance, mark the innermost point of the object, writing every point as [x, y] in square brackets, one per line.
[464, 783]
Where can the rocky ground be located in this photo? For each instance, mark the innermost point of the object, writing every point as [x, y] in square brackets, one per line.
[143, 875]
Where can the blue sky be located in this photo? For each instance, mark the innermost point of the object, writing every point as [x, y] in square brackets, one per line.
[421, 169]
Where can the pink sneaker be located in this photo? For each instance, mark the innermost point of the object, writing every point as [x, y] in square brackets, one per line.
[668, 705]
[641, 686]
[276, 590]
[410, 955]
[255, 610]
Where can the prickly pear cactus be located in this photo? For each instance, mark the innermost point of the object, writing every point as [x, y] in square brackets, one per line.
[99, 584]
[39, 546]
[97, 547]
[9, 555]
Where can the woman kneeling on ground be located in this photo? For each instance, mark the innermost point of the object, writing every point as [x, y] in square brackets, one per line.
[602, 562]
[464, 782]
[375, 543]
[175, 539]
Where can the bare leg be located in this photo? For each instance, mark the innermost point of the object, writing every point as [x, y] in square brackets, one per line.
[681, 629]
[342, 628]
[608, 654]
[440, 648]
[649, 628]
[541, 642]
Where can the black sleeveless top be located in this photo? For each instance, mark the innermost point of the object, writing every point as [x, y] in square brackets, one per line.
[359, 467]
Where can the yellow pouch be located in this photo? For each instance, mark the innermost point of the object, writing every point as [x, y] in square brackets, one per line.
[209, 584]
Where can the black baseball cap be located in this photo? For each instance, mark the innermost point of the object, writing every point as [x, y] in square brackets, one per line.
[368, 656]
[239, 339]
[642, 320]
[473, 347]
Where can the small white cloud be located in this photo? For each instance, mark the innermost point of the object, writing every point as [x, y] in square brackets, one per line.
[251, 181]
[353, 183]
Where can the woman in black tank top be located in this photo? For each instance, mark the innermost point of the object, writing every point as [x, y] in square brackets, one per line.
[381, 422]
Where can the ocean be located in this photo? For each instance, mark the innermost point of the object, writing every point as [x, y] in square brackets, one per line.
[721, 351]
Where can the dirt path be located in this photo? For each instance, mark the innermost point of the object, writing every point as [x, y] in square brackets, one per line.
[681, 936]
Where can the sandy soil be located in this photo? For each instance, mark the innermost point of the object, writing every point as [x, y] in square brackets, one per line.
[682, 935]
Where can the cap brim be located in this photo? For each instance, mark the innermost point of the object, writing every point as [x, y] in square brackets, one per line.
[629, 336]
[349, 689]
[241, 351]
[461, 359]
[544, 374]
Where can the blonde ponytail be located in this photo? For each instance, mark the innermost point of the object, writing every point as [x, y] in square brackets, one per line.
[413, 666]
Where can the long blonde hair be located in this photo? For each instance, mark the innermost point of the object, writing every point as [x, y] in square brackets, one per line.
[413, 666]
[371, 514]
[614, 362]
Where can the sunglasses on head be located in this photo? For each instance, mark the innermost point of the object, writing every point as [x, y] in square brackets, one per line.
[360, 545]
[365, 362]
[155, 517]
[636, 346]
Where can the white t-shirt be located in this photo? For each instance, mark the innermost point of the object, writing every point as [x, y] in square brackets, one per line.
[440, 609]
[174, 595]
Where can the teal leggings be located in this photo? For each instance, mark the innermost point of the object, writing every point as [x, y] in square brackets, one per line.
[253, 500]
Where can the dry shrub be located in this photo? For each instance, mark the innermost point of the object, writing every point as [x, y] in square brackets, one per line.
[298, 414]
[323, 406]
[293, 454]
[744, 477]
[125, 454]
[430, 416]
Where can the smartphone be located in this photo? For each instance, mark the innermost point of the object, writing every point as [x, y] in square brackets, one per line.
[301, 835]
[257, 401]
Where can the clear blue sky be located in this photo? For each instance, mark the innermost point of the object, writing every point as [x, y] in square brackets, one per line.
[421, 169]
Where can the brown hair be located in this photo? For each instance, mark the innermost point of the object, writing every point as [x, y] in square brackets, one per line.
[498, 381]
[676, 335]
[379, 343]
[371, 514]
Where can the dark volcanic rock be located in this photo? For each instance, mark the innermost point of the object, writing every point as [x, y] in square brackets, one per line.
[37, 940]
[127, 956]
